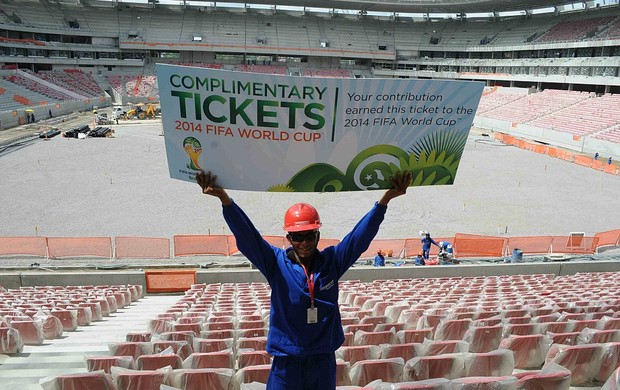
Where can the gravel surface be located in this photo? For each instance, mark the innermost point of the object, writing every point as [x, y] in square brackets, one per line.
[120, 187]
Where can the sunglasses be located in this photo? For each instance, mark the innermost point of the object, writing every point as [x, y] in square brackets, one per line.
[303, 236]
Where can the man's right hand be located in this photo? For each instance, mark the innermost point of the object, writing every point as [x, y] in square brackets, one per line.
[207, 182]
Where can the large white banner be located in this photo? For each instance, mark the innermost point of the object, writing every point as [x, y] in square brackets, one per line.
[284, 133]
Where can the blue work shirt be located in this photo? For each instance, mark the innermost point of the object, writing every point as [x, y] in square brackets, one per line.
[426, 243]
[289, 332]
[379, 261]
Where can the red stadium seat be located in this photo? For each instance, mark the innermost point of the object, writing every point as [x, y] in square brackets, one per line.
[449, 366]
[366, 371]
[529, 351]
[105, 363]
[552, 376]
[221, 359]
[155, 361]
[201, 379]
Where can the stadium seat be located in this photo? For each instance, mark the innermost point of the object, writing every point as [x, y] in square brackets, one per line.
[366, 371]
[221, 359]
[613, 382]
[200, 379]
[253, 374]
[483, 338]
[181, 348]
[160, 360]
[584, 361]
[484, 383]
[177, 335]
[139, 380]
[452, 329]
[529, 351]
[552, 376]
[414, 335]
[97, 380]
[449, 366]
[610, 360]
[30, 331]
[161, 325]
[133, 349]
[428, 384]
[405, 351]
[255, 343]
[252, 358]
[556, 327]
[596, 336]
[10, 341]
[52, 326]
[212, 345]
[569, 338]
[434, 348]
[495, 363]
[195, 328]
[355, 353]
[342, 373]
[105, 363]
[138, 337]
[374, 338]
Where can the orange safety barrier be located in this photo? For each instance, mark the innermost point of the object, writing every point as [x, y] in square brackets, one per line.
[26, 246]
[574, 244]
[413, 246]
[190, 245]
[59, 247]
[597, 164]
[470, 245]
[327, 242]
[541, 149]
[583, 161]
[141, 248]
[552, 152]
[610, 237]
[561, 154]
[510, 140]
[570, 157]
[393, 248]
[169, 280]
[610, 168]
[529, 244]
[277, 241]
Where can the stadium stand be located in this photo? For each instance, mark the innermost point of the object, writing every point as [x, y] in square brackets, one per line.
[527, 361]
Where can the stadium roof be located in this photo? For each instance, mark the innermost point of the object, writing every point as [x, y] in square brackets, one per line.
[423, 6]
[389, 6]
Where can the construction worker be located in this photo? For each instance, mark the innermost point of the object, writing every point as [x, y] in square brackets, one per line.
[419, 260]
[304, 323]
[446, 253]
[379, 259]
[426, 243]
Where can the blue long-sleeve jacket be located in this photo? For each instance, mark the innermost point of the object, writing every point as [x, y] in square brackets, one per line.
[426, 243]
[289, 332]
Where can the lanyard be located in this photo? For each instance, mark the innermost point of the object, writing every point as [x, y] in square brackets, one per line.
[310, 281]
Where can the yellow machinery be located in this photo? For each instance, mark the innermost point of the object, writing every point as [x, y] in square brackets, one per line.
[138, 112]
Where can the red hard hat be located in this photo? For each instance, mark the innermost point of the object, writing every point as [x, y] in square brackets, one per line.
[300, 217]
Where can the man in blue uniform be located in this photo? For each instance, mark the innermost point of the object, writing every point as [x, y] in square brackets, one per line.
[426, 243]
[305, 327]
[379, 259]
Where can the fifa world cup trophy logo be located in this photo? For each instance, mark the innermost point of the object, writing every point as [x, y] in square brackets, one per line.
[193, 149]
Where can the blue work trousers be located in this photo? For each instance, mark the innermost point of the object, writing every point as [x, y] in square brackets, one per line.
[316, 372]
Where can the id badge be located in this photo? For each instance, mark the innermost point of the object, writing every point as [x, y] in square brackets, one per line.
[313, 315]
